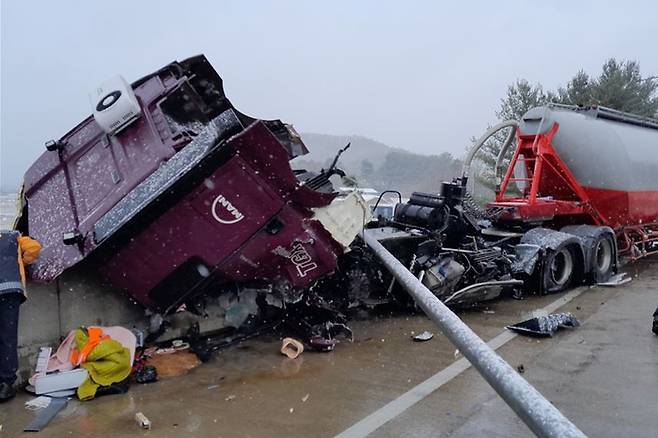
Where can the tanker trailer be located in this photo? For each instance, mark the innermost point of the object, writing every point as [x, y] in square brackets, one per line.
[590, 172]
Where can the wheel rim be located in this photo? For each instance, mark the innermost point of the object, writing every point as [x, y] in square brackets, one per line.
[603, 255]
[561, 267]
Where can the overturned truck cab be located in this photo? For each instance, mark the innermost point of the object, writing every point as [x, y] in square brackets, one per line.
[172, 193]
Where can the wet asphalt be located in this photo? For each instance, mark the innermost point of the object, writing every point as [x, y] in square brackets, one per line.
[603, 376]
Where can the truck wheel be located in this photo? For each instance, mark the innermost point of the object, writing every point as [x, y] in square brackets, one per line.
[603, 258]
[559, 270]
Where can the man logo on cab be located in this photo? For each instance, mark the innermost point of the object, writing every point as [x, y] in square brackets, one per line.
[224, 212]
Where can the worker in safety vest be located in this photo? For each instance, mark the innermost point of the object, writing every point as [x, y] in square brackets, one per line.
[16, 251]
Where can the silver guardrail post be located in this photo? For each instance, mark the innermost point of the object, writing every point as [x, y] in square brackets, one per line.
[544, 419]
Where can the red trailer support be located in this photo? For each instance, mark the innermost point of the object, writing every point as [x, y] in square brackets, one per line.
[551, 194]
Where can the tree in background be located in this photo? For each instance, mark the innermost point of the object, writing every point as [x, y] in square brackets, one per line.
[620, 86]
[367, 170]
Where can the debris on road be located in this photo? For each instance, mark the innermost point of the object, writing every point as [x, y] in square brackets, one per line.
[45, 415]
[424, 336]
[90, 361]
[106, 360]
[545, 326]
[291, 348]
[146, 374]
[305, 398]
[520, 368]
[174, 364]
[616, 280]
[37, 403]
[59, 381]
[142, 420]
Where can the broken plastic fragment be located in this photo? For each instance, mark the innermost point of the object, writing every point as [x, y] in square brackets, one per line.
[142, 421]
[291, 348]
[424, 336]
[545, 326]
[37, 403]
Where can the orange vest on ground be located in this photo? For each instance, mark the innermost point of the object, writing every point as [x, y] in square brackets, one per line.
[95, 336]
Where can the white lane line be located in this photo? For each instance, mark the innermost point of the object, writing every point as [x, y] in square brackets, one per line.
[396, 407]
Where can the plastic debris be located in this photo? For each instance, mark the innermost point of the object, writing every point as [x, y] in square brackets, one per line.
[305, 397]
[424, 336]
[176, 345]
[230, 397]
[291, 347]
[545, 326]
[42, 359]
[142, 421]
[37, 403]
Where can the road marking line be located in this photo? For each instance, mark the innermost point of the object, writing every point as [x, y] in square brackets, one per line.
[386, 413]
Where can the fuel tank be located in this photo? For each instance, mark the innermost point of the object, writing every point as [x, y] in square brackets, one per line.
[613, 155]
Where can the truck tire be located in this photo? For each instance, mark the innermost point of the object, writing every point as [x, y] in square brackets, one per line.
[560, 269]
[603, 259]
[600, 250]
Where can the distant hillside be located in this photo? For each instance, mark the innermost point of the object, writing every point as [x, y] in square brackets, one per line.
[375, 164]
[324, 147]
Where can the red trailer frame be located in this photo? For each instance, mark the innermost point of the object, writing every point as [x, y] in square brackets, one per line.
[555, 198]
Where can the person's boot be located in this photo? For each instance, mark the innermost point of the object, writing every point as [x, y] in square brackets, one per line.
[7, 392]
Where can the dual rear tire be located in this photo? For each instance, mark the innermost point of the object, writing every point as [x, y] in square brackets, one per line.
[567, 265]
[602, 262]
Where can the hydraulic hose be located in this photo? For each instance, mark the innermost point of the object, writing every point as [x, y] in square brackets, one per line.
[501, 156]
[466, 170]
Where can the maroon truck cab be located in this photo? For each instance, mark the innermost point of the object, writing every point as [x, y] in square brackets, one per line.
[189, 194]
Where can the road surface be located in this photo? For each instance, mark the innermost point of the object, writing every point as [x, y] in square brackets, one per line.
[603, 376]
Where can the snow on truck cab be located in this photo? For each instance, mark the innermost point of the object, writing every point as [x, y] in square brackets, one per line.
[171, 192]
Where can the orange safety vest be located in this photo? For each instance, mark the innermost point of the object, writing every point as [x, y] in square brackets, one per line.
[95, 336]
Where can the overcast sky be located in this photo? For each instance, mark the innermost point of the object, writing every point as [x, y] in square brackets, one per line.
[420, 75]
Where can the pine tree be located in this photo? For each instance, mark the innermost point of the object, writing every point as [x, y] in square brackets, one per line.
[620, 86]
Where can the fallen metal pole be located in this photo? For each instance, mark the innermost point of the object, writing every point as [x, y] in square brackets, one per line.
[544, 419]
